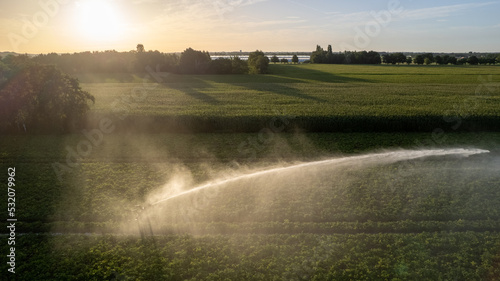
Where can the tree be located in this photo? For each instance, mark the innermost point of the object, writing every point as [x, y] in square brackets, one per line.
[284, 60]
[239, 66]
[446, 59]
[373, 57]
[318, 56]
[221, 66]
[451, 60]
[399, 57]
[275, 59]
[394, 58]
[419, 59]
[258, 62]
[473, 60]
[439, 60]
[43, 99]
[295, 59]
[430, 56]
[194, 62]
[427, 61]
[388, 59]
[4, 72]
[409, 60]
[140, 48]
[462, 61]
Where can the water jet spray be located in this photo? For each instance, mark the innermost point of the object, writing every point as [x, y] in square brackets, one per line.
[384, 157]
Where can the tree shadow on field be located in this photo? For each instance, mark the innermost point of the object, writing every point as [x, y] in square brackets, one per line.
[192, 88]
[281, 79]
[303, 74]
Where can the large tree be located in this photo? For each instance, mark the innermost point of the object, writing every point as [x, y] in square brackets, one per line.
[194, 62]
[419, 59]
[318, 56]
[258, 62]
[140, 48]
[439, 60]
[40, 98]
[473, 60]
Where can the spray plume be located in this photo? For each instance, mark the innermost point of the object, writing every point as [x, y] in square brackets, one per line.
[385, 157]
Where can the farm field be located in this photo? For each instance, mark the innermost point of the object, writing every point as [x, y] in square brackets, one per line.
[383, 211]
[321, 98]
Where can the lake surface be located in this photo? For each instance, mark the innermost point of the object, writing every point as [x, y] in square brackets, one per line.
[245, 57]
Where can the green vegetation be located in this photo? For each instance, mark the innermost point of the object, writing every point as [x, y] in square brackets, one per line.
[347, 57]
[401, 220]
[40, 98]
[421, 256]
[432, 219]
[319, 97]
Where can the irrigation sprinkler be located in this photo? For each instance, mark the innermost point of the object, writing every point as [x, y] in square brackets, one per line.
[143, 220]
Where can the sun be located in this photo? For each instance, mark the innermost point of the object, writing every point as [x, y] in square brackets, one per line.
[99, 20]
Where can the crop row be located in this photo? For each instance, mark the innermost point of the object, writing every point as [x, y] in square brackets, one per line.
[423, 256]
[441, 190]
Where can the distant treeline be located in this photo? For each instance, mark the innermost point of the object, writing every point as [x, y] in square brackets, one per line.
[188, 62]
[328, 56]
[372, 57]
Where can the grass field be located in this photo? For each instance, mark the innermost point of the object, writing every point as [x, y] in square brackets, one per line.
[434, 218]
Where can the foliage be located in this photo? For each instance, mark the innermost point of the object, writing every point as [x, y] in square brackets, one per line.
[232, 65]
[473, 60]
[221, 66]
[190, 62]
[323, 98]
[436, 219]
[140, 48]
[239, 66]
[419, 59]
[41, 98]
[429, 56]
[194, 62]
[258, 62]
[153, 61]
[395, 58]
[322, 56]
[421, 256]
[400, 221]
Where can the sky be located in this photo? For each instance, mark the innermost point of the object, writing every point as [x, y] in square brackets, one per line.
[67, 26]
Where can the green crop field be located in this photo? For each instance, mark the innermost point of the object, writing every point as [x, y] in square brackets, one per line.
[86, 202]
[321, 97]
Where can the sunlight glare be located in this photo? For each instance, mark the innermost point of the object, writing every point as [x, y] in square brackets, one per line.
[99, 20]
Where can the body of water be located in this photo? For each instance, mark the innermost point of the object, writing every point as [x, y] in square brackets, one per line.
[245, 57]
